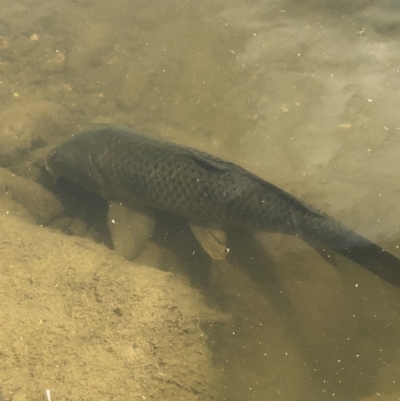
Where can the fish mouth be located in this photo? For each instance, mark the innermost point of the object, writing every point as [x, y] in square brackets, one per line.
[47, 166]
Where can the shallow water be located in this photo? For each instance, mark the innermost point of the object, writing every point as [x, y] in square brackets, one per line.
[305, 95]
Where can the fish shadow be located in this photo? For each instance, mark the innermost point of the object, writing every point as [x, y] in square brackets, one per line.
[174, 235]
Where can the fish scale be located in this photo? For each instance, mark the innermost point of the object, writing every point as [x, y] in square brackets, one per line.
[169, 179]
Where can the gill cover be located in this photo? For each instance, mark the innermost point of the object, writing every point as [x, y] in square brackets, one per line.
[76, 165]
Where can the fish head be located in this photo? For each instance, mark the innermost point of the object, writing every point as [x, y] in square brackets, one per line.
[74, 162]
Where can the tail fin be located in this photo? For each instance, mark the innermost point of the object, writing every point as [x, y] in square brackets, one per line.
[376, 259]
[333, 234]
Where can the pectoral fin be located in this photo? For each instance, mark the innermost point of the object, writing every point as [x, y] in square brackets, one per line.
[130, 228]
[212, 240]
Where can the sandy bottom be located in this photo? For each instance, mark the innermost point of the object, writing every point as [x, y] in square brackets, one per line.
[87, 325]
[302, 93]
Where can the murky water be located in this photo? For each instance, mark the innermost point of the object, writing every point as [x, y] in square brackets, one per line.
[303, 93]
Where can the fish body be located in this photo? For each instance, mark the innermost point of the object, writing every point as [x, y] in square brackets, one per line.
[140, 173]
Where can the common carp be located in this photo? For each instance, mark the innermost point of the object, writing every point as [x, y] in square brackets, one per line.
[136, 174]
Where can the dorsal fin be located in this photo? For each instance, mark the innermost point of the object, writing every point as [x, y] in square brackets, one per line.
[214, 164]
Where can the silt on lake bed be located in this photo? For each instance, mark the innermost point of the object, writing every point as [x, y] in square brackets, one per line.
[136, 174]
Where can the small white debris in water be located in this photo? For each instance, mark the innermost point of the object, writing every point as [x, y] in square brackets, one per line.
[356, 285]
[15, 95]
[113, 221]
[48, 397]
[34, 38]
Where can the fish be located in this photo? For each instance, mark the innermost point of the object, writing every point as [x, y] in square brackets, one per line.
[137, 174]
